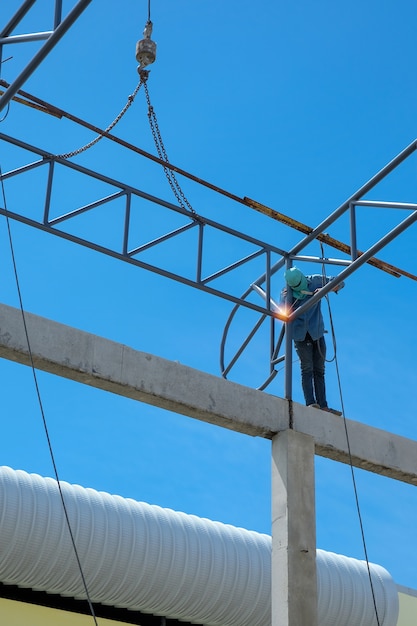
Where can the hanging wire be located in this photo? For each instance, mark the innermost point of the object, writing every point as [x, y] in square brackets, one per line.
[8, 104]
[349, 449]
[6, 114]
[45, 426]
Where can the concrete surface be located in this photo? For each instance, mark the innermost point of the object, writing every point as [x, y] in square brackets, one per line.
[294, 577]
[116, 368]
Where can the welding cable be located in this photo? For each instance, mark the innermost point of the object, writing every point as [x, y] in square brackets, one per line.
[7, 113]
[45, 426]
[358, 509]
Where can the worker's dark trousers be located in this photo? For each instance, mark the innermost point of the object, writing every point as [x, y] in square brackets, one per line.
[312, 355]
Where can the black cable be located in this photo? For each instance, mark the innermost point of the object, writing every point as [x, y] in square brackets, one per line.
[7, 112]
[350, 454]
[149, 10]
[41, 404]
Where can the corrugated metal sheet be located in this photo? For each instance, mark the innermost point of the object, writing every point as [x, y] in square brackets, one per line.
[142, 557]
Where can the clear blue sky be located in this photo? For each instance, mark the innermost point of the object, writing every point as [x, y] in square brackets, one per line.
[294, 104]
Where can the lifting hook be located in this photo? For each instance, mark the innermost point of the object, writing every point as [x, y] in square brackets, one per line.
[146, 48]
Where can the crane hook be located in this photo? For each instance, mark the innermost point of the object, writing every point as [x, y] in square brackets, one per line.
[146, 48]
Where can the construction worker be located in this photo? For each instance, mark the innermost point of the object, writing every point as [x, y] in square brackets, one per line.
[308, 334]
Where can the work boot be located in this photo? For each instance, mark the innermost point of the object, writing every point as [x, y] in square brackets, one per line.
[334, 411]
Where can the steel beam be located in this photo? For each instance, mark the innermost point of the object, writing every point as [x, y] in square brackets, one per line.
[50, 43]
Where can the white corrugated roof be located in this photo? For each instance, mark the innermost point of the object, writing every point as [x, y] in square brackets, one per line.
[145, 558]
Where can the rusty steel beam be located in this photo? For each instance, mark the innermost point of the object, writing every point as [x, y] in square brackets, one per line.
[334, 243]
[45, 107]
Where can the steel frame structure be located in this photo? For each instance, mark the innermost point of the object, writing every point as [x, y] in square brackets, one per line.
[127, 251]
[51, 38]
[131, 253]
[200, 224]
[356, 261]
[193, 222]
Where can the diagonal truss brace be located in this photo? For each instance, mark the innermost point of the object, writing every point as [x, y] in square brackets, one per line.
[133, 253]
[128, 250]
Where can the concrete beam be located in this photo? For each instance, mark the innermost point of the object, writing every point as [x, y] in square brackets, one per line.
[116, 368]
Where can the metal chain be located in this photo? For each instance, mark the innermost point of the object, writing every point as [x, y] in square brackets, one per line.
[159, 144]
[129, 102]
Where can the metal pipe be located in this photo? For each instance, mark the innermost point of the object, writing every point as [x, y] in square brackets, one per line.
[275, 359]
[200, 252]
[133, 261]
[58, 13]
[381, 204]
[23, 169]
[268, 380]
[234, 265]
[240, 350]
[17, 17]
[127, 223]
[406, 223]
[268, 280]
[162, 238]
[43, 52]
[46, 156]
[387, 169]
[25, 38]
[271, 321]
[319, 230]
[288, 344]
[52, 110]
[315, 259]
[86, 207]
[353, 240]
[225, 333]
[48, 192]
[271, 343]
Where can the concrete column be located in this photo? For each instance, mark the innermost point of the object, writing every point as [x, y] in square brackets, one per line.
[294, 578]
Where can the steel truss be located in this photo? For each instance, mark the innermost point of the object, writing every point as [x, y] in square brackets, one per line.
[132, 252]
[129, 249]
